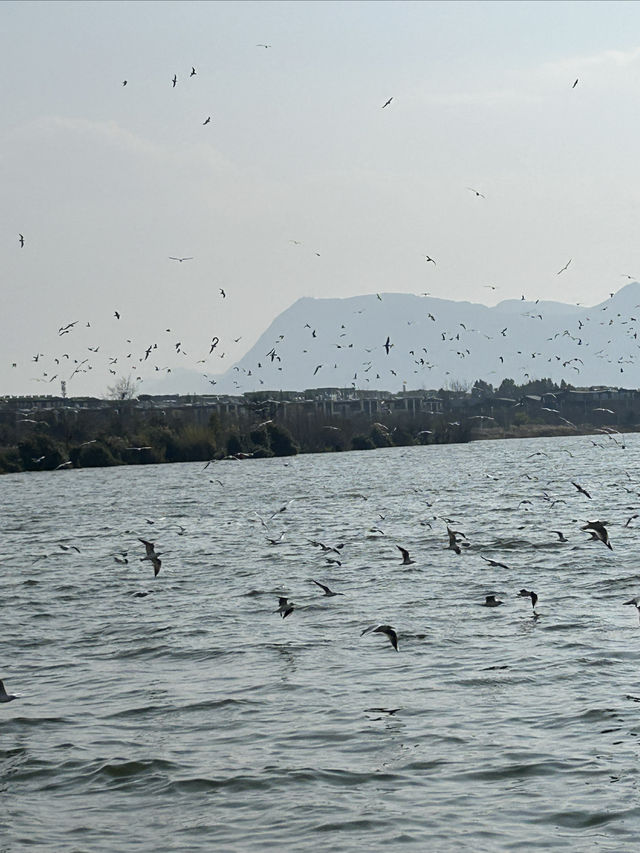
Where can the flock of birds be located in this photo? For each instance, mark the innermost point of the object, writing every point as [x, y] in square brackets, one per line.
[424, 347]
[142, 361]
[456, 541]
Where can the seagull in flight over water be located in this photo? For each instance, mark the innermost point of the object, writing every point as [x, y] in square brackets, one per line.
[285, 607]
[383, 629]
[327, 591]
[151, 555]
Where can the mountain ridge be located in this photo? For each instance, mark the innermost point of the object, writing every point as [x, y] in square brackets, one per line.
[394, 340]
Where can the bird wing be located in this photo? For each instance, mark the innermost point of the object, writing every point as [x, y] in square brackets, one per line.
[149, 546]
[322, 586]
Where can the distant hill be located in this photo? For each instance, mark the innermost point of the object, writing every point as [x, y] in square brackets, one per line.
[433, 343]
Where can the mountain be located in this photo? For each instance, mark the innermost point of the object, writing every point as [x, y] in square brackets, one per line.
[435, 343]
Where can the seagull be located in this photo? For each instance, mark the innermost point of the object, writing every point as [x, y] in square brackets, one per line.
[21, 239]
[560, 535]
[151, 555]
[478, 194]
[492, 601]
[180, 260]
[581, 490]
[575, 83]
[69, 547]
[529, 593]
[634, 601]
[116, 314]
[406, 559]
[387, 103]
[174, 81]
[453, 542]
[383, 629]
[430, 260]
[388, 344]
[223, 294]
[193, 72]
[124, 82]
[207, 120]
[4, 696]
[275, 541]
[263, 45]
[565, 266]
[326, 589]
[495, 563]
[285, 607]
[599, 531]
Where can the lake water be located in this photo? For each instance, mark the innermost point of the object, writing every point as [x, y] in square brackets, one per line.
[196, 719]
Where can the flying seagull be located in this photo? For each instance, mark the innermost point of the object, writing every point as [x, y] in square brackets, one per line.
[193, 72]
[580, 489]
[560, 535]
[453, 542]
[565, 266]
[599, 531]
[285, 607]
[151, 555]
[174, 81]
[180, 260]
[387, 103]
[383, 629]
[575, 83]
[326, 589]
[406, 559]
[4, 696]
[495, 563]
[478, 194]
[529, 593]
[21, 239]
[207, 120]
[388, 344]
[430, 260]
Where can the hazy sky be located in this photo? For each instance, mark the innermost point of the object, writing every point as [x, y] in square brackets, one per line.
[107, 181]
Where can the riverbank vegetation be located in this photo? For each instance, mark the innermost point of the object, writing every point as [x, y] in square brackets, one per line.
[130, 434]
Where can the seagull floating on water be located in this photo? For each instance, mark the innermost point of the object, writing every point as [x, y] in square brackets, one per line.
[492, 601]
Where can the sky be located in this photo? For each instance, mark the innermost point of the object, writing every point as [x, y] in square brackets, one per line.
[302, 184]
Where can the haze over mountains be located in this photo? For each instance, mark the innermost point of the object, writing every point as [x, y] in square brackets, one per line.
[432, 343]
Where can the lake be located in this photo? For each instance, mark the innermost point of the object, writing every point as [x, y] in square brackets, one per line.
[195, 718]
